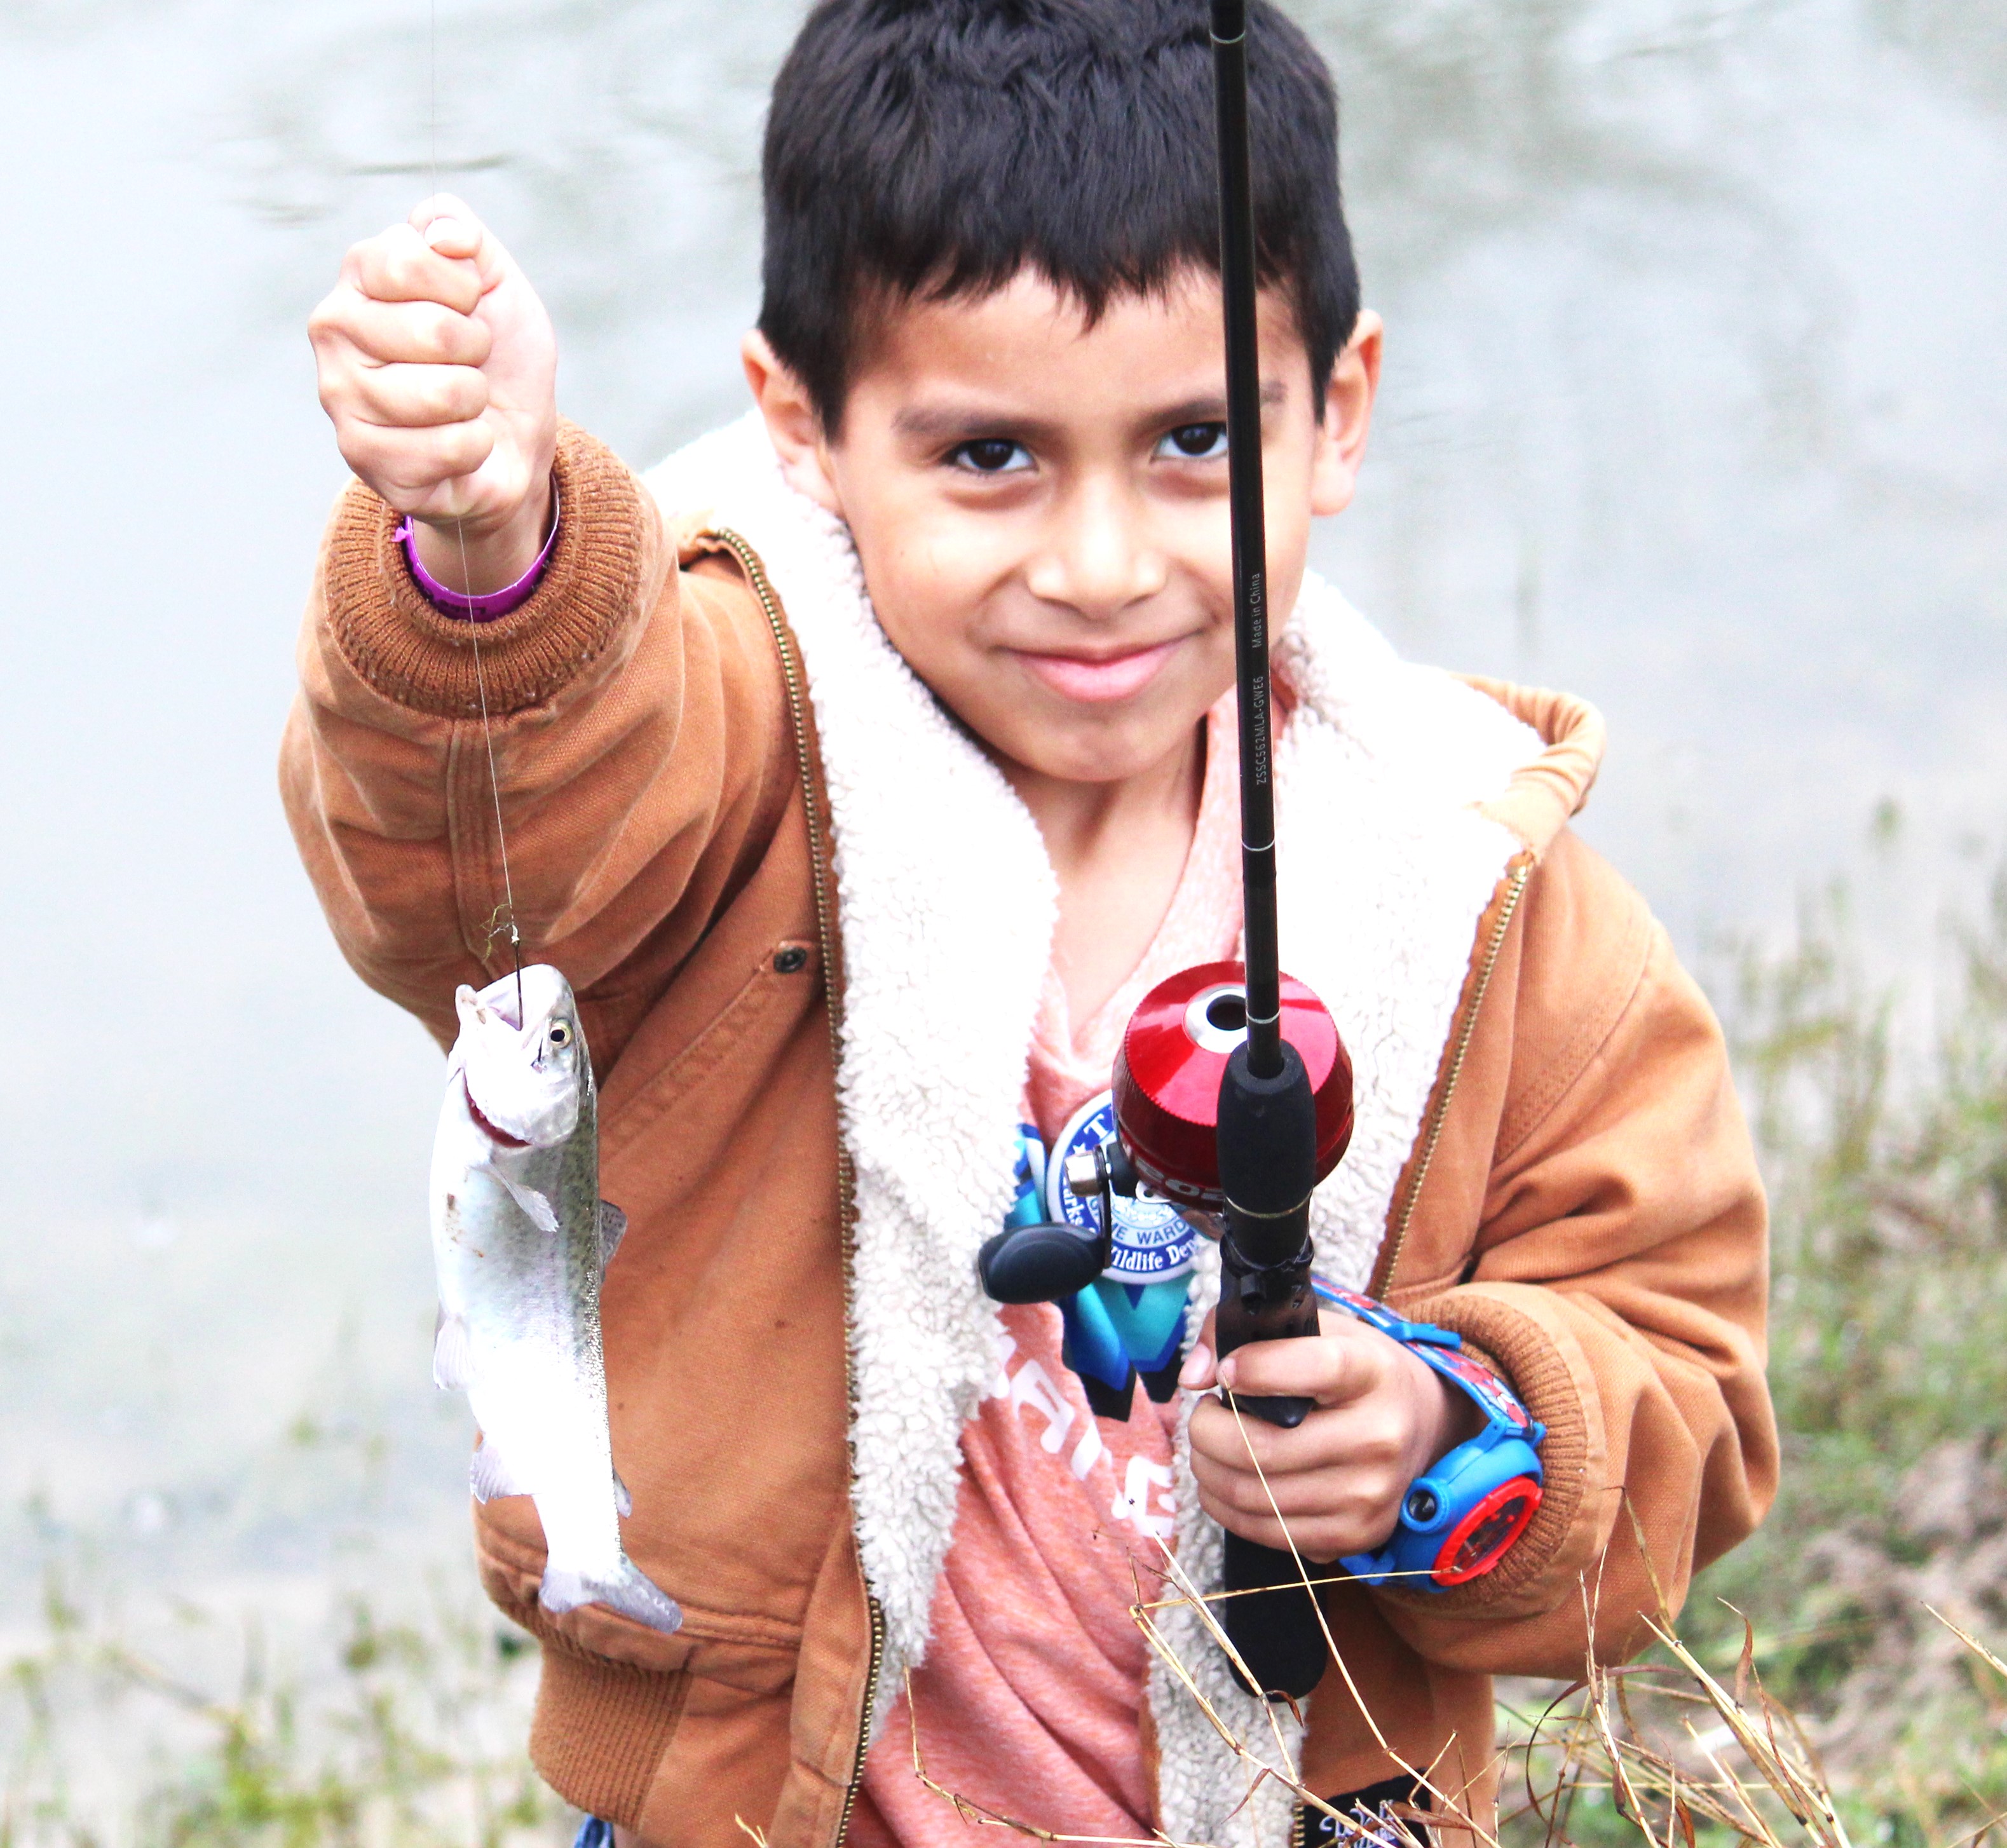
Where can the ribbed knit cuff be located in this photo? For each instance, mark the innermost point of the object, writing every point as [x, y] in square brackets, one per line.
[600, 1729]
[1521, 1353]
[397, 642]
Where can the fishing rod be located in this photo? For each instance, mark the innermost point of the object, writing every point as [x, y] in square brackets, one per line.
[1265, 1057]
[1231, 1094]
[1269, 1154]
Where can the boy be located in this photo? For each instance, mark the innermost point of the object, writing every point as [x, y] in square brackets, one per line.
[862, 768]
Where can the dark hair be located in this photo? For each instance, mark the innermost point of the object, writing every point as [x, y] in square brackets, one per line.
[938, 147]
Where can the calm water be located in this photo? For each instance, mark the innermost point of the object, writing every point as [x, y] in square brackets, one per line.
[1696, 404]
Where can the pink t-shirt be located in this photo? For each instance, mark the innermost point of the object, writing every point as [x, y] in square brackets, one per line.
[1031, 1695]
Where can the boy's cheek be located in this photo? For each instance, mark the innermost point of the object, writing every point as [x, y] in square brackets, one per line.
[936, 604]
[929, 570]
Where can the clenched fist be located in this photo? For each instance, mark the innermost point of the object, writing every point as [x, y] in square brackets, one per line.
[1382, 1418]
[438, 367]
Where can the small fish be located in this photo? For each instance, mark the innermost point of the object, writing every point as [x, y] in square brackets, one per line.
[521, 1240]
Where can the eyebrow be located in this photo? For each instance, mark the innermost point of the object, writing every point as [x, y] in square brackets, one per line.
[938, 424]
[1211, 409]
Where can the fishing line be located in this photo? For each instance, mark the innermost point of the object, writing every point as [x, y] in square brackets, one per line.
[504, 916]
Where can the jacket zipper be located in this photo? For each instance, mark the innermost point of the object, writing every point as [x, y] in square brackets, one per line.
[1466, 1031]
[846, 1192]
[864, 1724]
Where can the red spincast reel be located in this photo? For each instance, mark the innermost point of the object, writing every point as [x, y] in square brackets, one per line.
[1167, 1077]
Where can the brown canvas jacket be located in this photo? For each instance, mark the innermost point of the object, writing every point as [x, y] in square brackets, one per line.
[1581, 1204]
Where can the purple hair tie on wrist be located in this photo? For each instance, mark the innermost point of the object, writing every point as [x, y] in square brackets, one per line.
[487, 608]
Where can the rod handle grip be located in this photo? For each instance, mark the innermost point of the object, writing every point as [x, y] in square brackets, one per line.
[1285, 1413]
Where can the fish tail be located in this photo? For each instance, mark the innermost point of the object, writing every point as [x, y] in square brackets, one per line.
[628, 1590]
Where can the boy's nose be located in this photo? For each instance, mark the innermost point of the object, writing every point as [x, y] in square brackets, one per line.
[1099, 555]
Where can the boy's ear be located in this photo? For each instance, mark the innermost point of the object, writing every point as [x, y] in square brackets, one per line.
[1348, 415]
[792, 421]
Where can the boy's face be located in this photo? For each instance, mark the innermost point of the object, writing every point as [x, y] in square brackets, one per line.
[1040, 507]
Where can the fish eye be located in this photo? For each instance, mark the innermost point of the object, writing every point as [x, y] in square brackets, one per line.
[560, 1033]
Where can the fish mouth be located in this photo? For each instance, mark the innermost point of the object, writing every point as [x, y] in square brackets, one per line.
[488, 1128]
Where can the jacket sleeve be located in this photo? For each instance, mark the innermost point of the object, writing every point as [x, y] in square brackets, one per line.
[1618, 1278]
[636, 721]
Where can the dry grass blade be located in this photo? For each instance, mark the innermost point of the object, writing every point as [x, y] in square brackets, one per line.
[1452, 1809]
[1632, 1731]
[1677, 1813]
[1161, 1645]
[1970, 1642]
[1597, 1691]
[1628, 1802]
[1190, 1595]
[1588, 1752]
[1754, 1827]
[1784, 1768]
[977, 1815]
[1973, 1834]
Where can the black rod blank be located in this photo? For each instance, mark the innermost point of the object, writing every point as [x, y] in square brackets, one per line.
[1268, 1114]
[1251, 544]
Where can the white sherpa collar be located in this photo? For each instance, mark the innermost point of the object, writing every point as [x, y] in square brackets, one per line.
[946, 904]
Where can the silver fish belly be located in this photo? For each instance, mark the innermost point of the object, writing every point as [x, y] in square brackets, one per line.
[520, 1239]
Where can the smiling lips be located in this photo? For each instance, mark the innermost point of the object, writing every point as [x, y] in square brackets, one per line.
[1096, 681]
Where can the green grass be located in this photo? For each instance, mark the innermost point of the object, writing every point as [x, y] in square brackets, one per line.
[376, 1734]
[1889, 1364]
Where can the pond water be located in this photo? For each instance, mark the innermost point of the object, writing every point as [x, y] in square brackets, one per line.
[1696, 404]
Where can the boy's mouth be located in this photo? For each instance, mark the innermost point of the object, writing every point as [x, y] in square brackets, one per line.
[1095, 680]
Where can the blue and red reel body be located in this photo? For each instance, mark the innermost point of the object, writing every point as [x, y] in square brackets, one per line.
[1129, 1320]
[1459, 1520]
[1174, 1054]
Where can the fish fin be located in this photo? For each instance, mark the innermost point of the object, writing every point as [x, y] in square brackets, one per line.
[543, 1215]
[490, 1475]
[612, 1229]
[453, 1360]
[632, 1592]
[622, 1499]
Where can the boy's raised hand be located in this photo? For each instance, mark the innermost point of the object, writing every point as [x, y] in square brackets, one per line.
[1382, 1417]
[438, 366]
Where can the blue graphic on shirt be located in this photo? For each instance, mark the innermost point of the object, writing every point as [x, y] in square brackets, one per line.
[1027, 1207]
[1111, 1328]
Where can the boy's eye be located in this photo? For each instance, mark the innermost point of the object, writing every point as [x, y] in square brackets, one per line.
[991, 455]
[1195, 442]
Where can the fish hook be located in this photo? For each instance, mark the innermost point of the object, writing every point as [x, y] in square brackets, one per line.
[502, 923]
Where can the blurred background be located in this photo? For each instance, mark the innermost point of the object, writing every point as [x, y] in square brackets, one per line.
[1695, 404]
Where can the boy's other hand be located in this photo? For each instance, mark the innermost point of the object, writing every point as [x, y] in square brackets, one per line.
[1382, 1418]
[438, 366]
